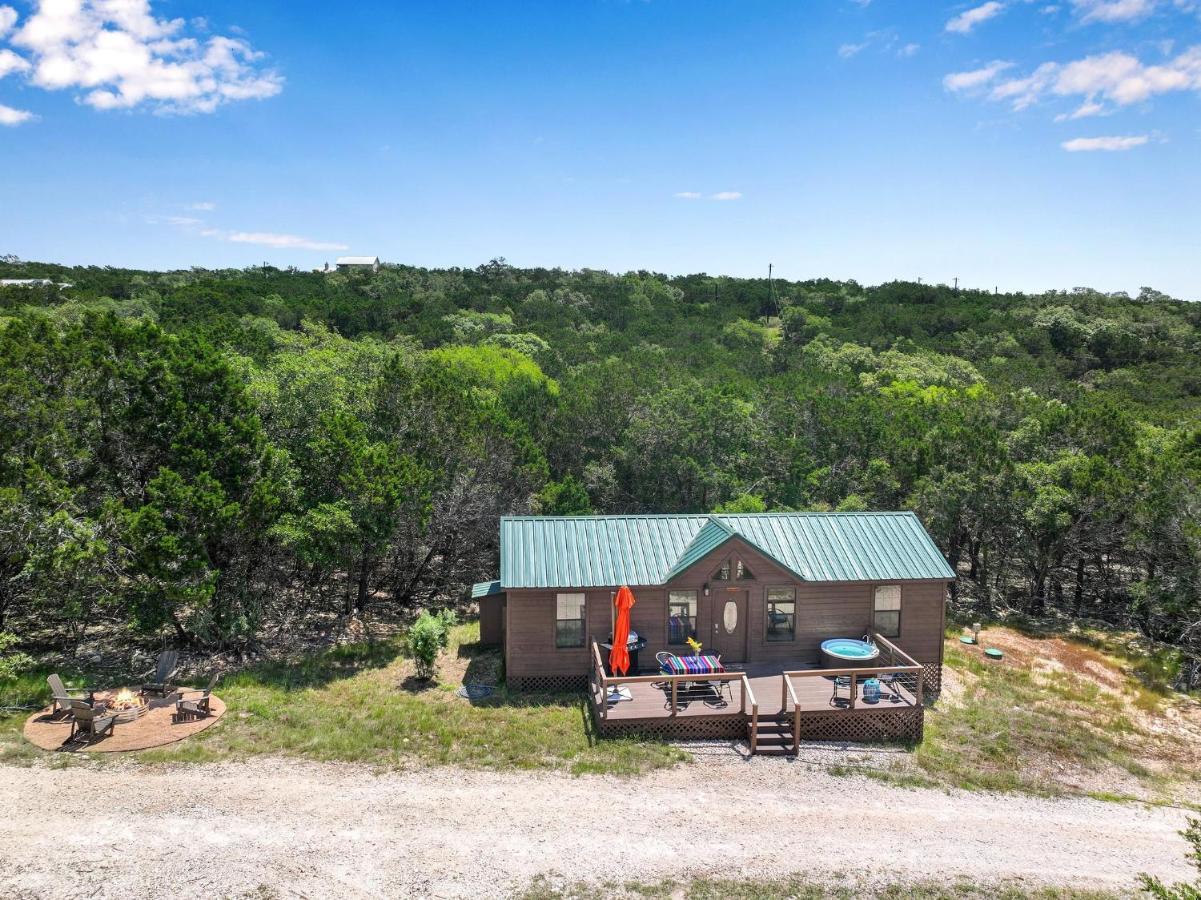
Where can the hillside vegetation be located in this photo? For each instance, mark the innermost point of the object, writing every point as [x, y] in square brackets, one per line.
[221, 458]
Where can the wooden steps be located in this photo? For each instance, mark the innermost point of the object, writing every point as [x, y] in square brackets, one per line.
[774, 737]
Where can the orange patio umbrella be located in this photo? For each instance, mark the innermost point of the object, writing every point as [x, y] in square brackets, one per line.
[619, 654]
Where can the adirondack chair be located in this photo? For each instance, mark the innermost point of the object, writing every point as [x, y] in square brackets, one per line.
[193, 703]
[64, 695]
[167, 661]
[89, 721]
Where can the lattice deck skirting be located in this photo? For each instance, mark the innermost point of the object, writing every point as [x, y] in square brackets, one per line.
[548, 684]
[857, 727]
[679, 728]
[932, 679]
[888, 725]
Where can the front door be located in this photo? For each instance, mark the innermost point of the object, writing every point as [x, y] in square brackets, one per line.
[729, 625]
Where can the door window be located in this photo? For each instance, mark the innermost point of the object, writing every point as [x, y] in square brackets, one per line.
[729, 616]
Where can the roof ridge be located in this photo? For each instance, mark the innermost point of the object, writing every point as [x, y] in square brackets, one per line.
[712, 516]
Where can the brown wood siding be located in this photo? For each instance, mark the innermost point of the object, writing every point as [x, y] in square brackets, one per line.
[824, 610]
[492, 620]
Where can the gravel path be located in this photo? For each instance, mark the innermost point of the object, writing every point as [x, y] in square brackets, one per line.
[317, 830]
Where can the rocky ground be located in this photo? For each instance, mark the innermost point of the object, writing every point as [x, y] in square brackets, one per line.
[278, 826]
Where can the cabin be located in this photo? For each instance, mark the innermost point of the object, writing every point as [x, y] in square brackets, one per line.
[357, 263]
[760, 593]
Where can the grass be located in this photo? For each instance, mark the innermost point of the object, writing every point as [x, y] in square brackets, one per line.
[1019, 726]
[800, 888]
[362, 703]
[1013, 726]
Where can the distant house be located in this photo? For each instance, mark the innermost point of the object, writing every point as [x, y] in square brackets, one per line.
[32, 282]
[357, 263]
[772, 596]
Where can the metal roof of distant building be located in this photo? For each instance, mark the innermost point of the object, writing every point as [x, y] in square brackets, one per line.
[600, 551]
[356, 260]
[485, 589]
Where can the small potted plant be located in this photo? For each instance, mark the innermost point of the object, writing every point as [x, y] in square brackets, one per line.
[695, 645]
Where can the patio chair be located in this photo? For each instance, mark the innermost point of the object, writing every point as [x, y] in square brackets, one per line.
[889, 680]
[64, 695]
[163, 671]
[90, 721]
[840, 682]
[661, 658]
[195, 707]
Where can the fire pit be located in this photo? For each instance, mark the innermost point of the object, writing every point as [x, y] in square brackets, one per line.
[127, 705]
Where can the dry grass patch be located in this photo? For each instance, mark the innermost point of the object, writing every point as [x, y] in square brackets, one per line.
[1056, 715]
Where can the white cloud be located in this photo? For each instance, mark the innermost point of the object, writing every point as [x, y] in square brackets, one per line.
[688, 195]
[969, 19]
[1114, 143]
[846, 51]
[726, 195]
[1118, 77]
[1083, 111]
[11, 117]
[1112, 10]
[909, 50]
[118, 55]
[8, 18]
[10, 62]
[280, 241]
[203, 207]
[975, 78]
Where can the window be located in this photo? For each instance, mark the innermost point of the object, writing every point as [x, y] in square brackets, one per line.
[681, 616]
[742, 573]
[722, 574]
[569, 620]
[781, 614]
[886, 617]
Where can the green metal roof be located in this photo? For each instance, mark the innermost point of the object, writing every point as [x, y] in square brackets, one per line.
[485, 589]
[606, 551]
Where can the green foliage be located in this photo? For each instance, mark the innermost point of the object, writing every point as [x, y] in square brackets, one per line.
[567, 497]
[427, 637]
[1154, 887]
[743, 503]
[12, 662]
[206, 453]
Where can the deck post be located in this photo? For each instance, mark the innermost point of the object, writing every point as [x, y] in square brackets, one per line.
[920, 679]
[854, 687]
[675, 684]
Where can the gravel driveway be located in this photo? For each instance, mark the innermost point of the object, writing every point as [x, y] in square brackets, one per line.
[322, 830]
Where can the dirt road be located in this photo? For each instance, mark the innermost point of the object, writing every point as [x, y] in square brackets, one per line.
[322, 830]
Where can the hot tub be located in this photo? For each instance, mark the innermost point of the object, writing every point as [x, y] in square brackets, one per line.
[847, 653]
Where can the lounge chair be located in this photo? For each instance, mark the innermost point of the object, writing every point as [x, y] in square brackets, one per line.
[195, 706]
[64, 695]
[90, 721]
[163, 671]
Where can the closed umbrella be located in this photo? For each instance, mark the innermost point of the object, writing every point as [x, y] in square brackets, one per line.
[619, 653]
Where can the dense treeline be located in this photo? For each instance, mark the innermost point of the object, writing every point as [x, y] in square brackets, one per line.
[215, 455]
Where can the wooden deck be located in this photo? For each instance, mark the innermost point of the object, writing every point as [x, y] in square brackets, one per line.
[774, 706]
[814, 694]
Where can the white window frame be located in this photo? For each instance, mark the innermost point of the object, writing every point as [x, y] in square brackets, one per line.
[886, 599]
[583, 619]
[678, 597]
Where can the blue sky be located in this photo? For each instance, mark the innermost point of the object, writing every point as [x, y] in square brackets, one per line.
[1013, 143]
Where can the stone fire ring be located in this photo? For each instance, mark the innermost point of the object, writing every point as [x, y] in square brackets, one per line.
[50, 730]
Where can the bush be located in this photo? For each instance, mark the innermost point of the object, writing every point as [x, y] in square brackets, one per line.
[1181, 891]
[428, 637]
[12, 662]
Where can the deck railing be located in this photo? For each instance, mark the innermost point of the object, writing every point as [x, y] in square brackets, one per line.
[897, 663]
[600, 683]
